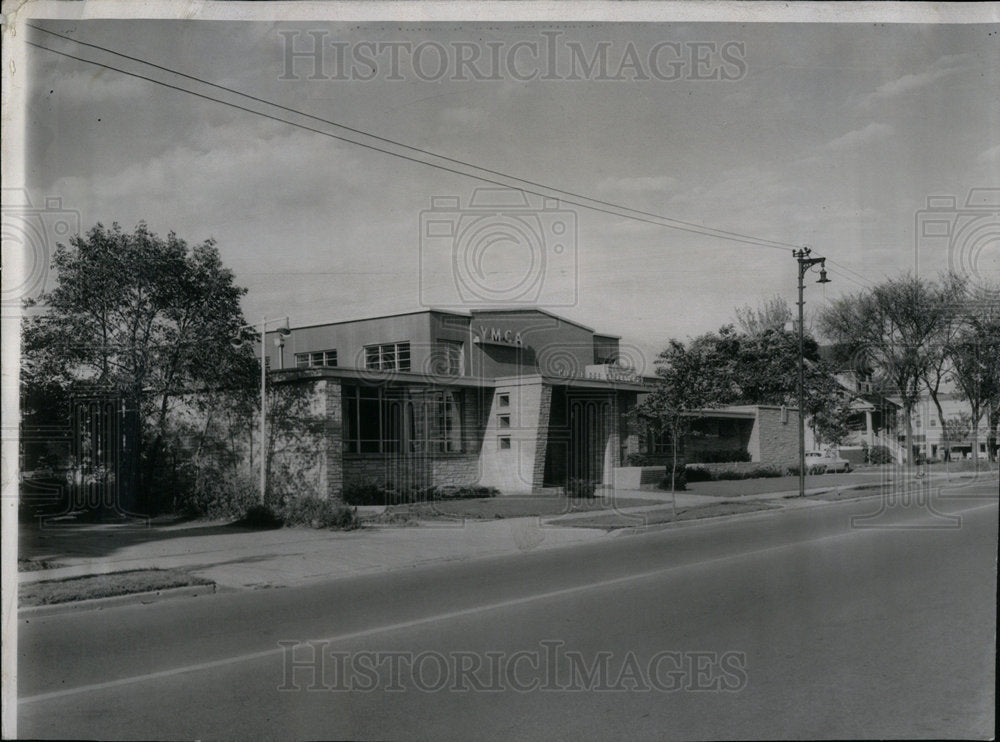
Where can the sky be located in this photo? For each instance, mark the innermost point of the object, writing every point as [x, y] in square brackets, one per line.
[827, 135]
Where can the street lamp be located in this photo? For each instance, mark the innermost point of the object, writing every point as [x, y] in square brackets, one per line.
[805, 264]
[283, 332]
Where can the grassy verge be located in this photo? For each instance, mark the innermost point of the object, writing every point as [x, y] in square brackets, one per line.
[611, 521]
[35, 565]
[48, 592]
[510, 507]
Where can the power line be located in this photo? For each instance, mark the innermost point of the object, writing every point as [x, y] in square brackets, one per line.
[672, 223]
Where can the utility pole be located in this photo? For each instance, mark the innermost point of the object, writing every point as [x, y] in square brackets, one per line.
[805, 264]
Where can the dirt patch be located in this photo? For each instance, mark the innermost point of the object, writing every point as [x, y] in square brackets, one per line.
[48, 592]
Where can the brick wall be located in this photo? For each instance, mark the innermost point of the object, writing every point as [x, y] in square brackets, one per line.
[778, 441]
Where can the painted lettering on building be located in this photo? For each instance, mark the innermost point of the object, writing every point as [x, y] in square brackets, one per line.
[499, 336]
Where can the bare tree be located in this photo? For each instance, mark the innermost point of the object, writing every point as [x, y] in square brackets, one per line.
[772, 314]
[894, 328]
[974, 354]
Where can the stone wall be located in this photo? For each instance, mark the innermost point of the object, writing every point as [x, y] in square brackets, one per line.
[541, 443]
[777, 436]
[306, 429]
[404, 471]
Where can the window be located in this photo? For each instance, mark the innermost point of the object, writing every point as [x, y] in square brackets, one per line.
[388, 357]
[503, 442]
[657, 441]
[503, 421]
[503, 400]
[379, 420]
[316, 358]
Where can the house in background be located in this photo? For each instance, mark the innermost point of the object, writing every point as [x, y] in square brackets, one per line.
[933, 442]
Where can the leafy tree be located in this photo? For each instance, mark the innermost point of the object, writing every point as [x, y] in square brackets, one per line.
[893, 328]
[950, 297]
[689, 379]
[147, 317]
[974, 353]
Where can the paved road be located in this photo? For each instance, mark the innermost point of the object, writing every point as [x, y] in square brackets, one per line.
[784, 625]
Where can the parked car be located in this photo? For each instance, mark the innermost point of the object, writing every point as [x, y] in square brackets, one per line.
[818, 462]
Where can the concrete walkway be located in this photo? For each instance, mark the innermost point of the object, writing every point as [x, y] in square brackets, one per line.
[240, 558]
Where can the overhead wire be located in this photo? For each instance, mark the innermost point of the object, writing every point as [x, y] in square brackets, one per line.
[574, 198]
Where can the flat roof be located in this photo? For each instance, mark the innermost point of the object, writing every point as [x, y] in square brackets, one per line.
[429, 310]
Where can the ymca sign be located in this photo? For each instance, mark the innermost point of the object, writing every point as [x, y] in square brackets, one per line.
[499, 336]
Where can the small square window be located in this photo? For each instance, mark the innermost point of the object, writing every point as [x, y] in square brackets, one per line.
[503, 400]
[503, 442]
[504, 421]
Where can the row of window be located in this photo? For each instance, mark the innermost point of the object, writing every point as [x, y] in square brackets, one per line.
[446, 359]
[378, 420]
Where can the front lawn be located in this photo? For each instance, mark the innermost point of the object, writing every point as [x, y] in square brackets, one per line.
[612, 521]
[71, 589]
[512, 506]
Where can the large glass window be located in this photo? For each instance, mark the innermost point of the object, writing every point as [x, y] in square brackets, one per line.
[388, 357]
[379, 420]
[316, 358]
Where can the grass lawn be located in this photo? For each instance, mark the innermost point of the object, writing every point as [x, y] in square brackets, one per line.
[744, 487]
[611, 521]
[511, 506]
[104, 586]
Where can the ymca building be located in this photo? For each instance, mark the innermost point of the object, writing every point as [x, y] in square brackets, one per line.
[517, 399]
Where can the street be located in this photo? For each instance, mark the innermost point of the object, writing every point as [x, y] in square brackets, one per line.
[780, 625]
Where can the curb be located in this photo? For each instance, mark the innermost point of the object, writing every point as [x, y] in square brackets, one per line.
[97, 604]
[689, 522]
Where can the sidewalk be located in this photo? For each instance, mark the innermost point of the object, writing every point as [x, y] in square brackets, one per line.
[243, 558]
[239, 558]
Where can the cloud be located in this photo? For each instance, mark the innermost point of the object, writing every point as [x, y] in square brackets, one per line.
[990, 155]
[638, 184]
[99, 86]
[464, 116]
[942, 68]
[873, 132]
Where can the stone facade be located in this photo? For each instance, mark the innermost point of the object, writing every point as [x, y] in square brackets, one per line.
[777, 436]
[306, 434]
[541, 443]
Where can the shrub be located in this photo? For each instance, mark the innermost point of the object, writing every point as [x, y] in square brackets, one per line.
[698, 474]
[719, 457]
[580, 487]
[375, 493]
[879, 454]
[221, 496]
[367, 493]
[680, 481]
[464, 492]
[260, 516]
[316, 512]
[762, 472]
